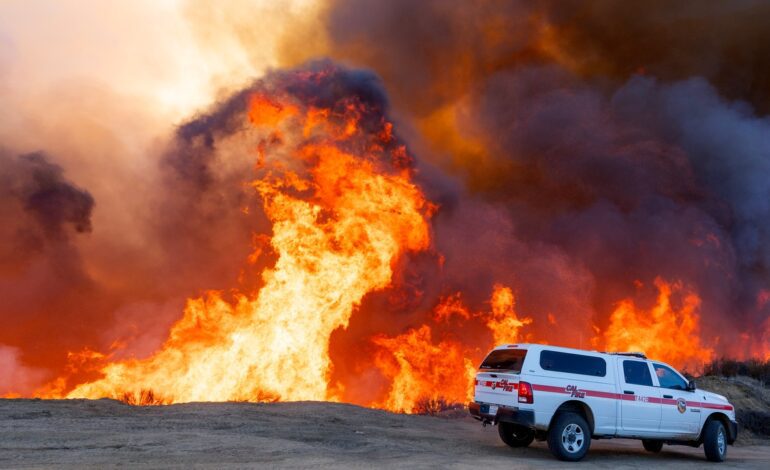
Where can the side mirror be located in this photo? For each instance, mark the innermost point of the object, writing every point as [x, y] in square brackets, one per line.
[691, 386]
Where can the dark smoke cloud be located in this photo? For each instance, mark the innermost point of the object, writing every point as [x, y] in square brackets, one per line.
[611, 193]
[40, 206]
[602, 158]
[40, 266]
[54, 202]
[728, 145]
[729, 148]
[431, 51]
[727, 43]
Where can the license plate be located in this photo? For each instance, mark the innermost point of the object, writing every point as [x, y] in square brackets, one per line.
[488, 409]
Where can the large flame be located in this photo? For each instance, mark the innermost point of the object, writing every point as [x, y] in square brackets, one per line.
[424, 374]
[340, 221]
[503, 321]
[667, 332]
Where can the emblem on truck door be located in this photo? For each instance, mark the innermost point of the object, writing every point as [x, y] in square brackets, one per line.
[681, 405]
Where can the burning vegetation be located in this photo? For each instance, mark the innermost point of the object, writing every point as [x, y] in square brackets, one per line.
[336, 186]
[663, 331]
[333, 245]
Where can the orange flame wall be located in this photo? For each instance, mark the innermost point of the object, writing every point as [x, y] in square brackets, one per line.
[340, 223]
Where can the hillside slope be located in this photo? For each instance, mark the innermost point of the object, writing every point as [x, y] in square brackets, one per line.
[751, 400]
[107, 433]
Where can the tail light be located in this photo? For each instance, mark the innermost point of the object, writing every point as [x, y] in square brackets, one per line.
[525, 393]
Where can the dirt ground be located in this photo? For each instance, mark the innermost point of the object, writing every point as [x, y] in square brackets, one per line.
[106, 433]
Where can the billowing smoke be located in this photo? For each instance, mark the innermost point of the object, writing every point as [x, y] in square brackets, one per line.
[576, 152]
[726, 43]
[40, 266]
[98, 250]
[599, 146]
[36, 190]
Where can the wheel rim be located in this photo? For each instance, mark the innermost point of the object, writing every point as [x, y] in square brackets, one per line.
[721, 442]
[572, 438]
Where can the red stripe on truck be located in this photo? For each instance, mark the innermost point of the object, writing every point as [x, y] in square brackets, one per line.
[712, 406]
[601, 394]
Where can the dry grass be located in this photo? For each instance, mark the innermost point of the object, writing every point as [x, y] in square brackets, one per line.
[145, 397]
[434, 406]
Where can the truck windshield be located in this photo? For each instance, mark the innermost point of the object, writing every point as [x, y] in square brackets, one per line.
[509, 360]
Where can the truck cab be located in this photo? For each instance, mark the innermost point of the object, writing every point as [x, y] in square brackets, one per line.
[570, 396]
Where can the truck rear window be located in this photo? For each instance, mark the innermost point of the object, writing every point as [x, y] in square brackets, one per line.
[509, 360]
[573, 363]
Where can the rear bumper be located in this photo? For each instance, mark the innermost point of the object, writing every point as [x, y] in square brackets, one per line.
[504, 414]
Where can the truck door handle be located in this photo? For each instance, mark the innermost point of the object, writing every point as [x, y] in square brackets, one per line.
[628, 392]
[668, 396]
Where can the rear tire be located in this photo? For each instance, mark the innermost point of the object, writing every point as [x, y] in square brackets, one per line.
[715, 441]
[515, 435]
[651, 445]
[569, 437]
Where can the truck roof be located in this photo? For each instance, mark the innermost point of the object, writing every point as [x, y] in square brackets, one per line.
[639, 355]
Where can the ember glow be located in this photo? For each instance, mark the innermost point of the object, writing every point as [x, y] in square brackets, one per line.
[320, 201]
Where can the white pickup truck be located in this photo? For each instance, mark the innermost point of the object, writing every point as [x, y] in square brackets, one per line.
[570, 396]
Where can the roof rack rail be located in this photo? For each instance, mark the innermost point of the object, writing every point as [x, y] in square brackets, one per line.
[640, 355]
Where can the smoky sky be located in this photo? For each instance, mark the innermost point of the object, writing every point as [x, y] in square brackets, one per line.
[428, 51]
[622, 141]
[726, 43]
[576, 150]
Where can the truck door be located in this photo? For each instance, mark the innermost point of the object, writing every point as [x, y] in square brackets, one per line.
[680, 415]
[640, 408]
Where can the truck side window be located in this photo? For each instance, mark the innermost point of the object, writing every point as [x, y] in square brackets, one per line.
[637, 373]
[573, 363]
[668, 378]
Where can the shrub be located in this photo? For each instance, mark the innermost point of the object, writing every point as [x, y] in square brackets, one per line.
[145, 397]
[754, 368]
[434, 405]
